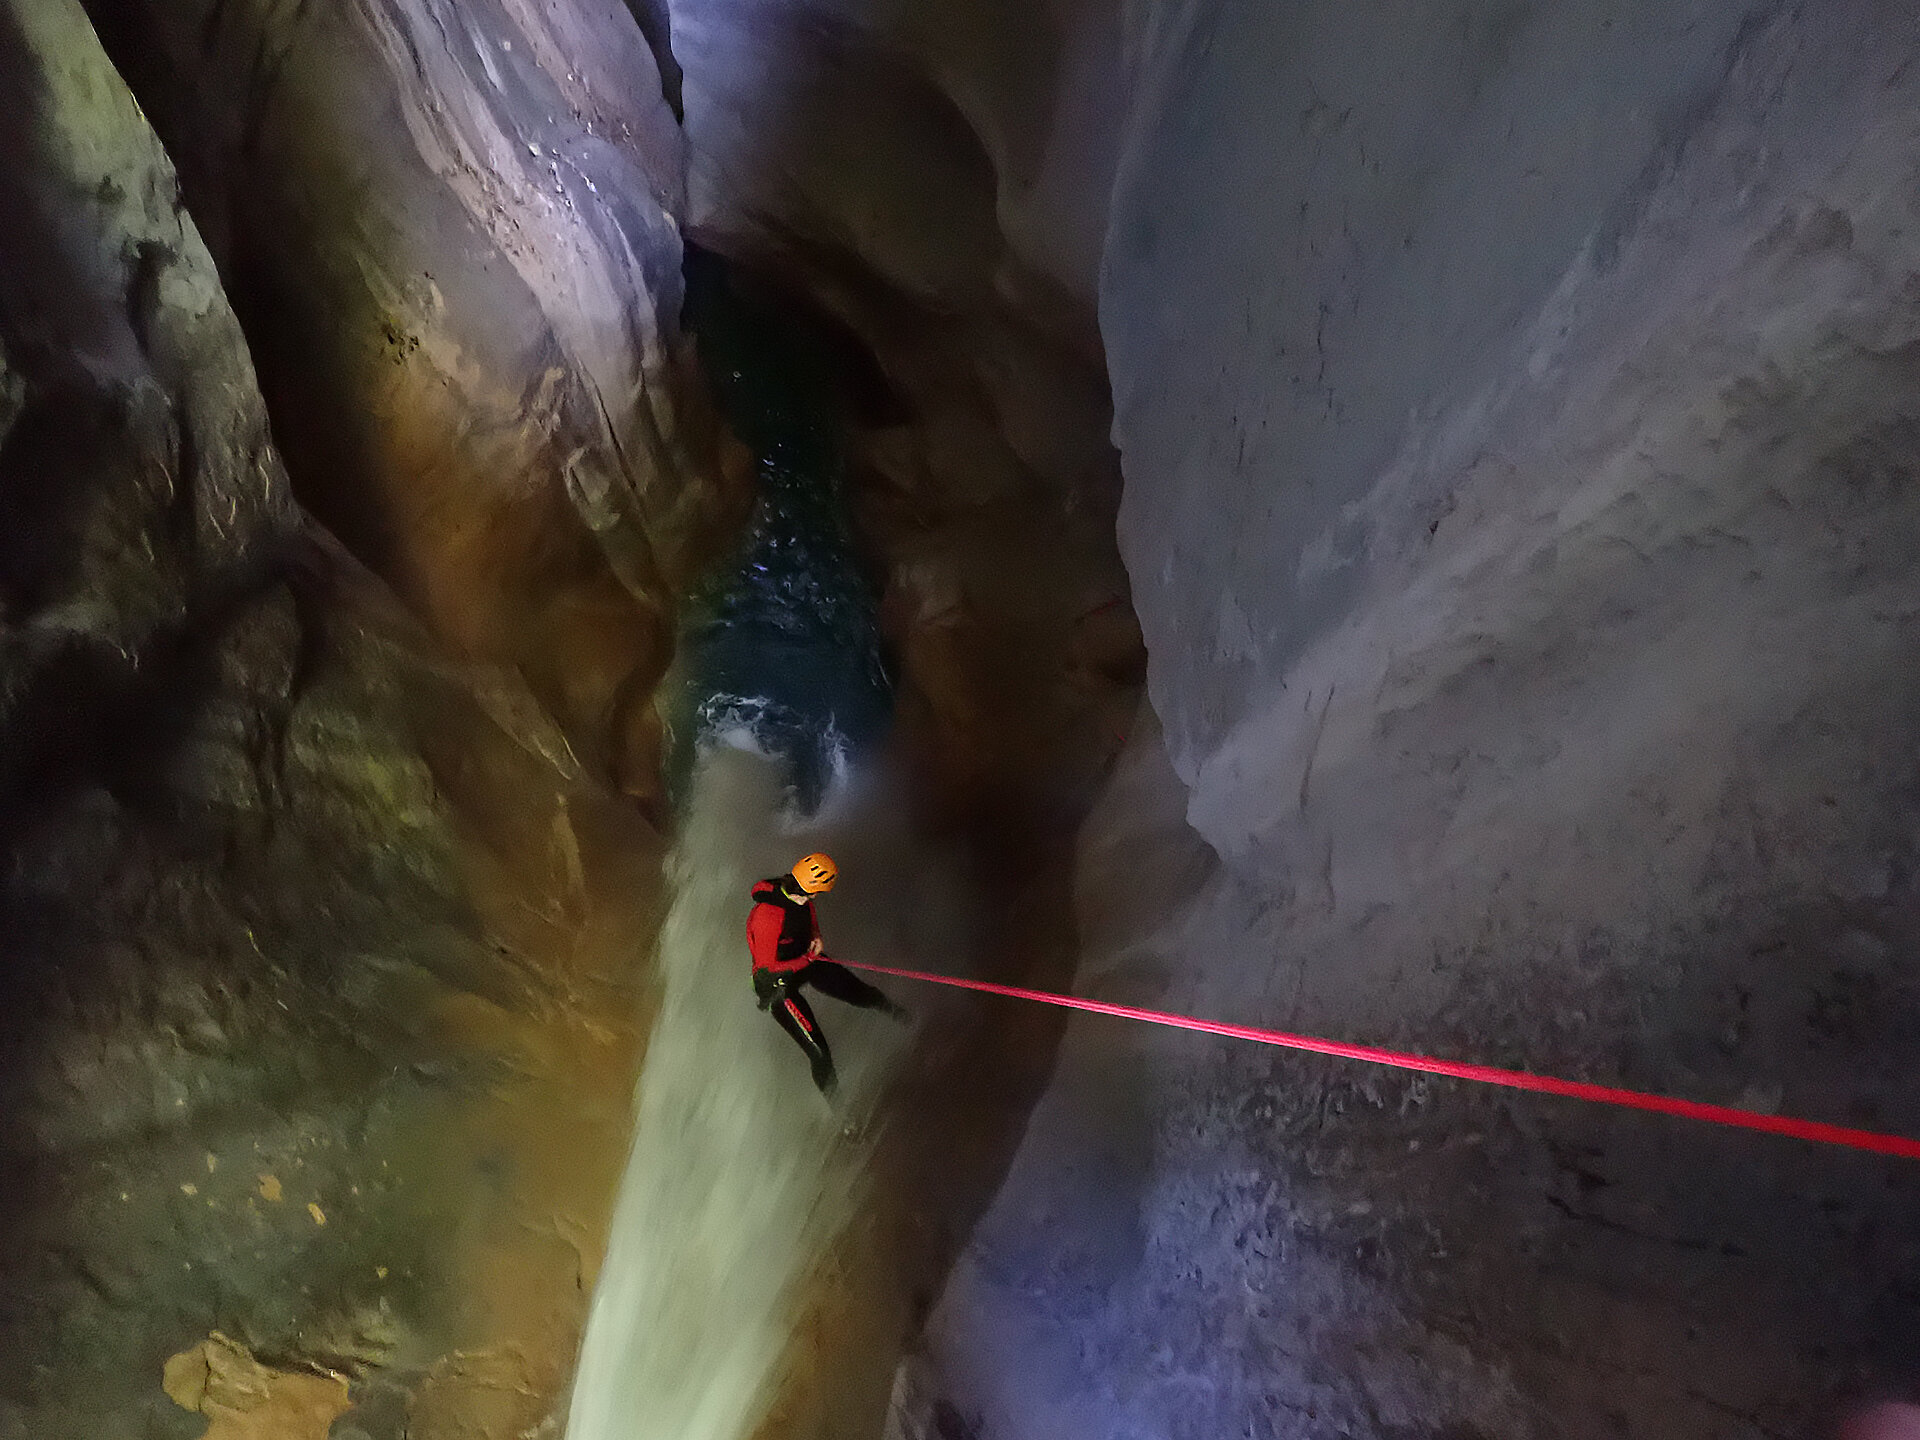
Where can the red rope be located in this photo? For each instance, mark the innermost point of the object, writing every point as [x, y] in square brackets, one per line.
[1486, 1074]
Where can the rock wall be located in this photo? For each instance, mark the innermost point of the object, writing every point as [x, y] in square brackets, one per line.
[447, 230]
[1516, 405]
[316, 943]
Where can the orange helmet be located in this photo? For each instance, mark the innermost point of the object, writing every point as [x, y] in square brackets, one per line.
[816, 873]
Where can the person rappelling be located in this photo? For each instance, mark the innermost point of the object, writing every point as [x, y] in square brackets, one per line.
[783, 932]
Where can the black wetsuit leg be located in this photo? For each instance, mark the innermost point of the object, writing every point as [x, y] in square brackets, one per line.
[796, 1017]
[848, 988]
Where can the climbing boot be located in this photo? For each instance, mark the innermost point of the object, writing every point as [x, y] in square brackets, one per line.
[824, 1077]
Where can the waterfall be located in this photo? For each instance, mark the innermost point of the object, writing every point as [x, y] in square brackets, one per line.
[740, 1175]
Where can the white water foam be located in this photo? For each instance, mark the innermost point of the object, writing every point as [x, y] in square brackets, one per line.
[739, 1176]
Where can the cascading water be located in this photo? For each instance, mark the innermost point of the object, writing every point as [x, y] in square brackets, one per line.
[740, 1173]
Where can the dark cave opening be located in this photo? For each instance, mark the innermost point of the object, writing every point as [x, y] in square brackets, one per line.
[780, 646]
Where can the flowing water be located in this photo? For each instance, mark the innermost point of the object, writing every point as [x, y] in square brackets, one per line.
[741, 1174]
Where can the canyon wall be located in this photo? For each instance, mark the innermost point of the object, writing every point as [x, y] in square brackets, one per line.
[447, 230]
[1508, 459]
[1517, 410]
[322, 914]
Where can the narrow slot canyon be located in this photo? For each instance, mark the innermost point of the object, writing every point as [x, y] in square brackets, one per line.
[1390, 522]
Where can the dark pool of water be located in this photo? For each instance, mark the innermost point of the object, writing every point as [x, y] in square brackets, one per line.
[781, 639]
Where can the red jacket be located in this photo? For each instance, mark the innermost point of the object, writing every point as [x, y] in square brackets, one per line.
[781, 930]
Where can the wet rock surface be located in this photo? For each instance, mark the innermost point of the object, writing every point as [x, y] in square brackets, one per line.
[1526, 577]
[446, 229]
[319, 1016]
